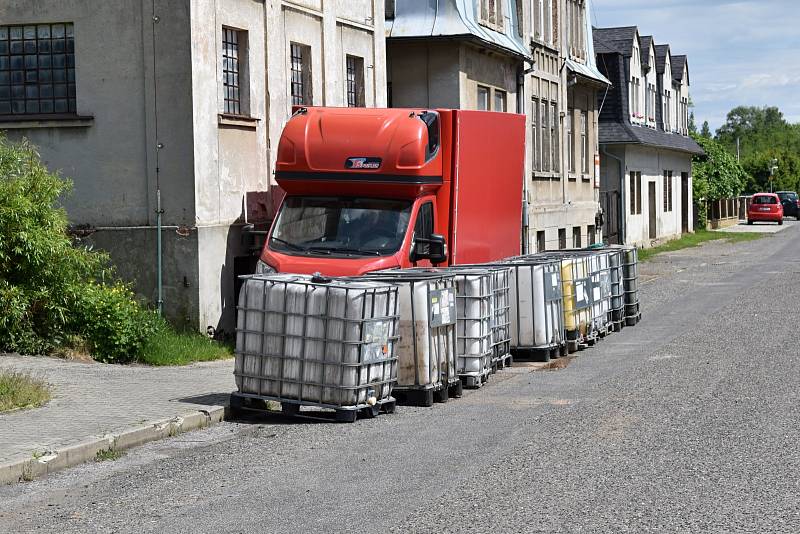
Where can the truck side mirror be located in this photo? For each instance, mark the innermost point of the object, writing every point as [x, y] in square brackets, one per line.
[433, 248]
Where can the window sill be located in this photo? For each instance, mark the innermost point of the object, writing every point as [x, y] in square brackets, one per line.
[545, 176]
[586, 178]
[64, 120]
[239, 121]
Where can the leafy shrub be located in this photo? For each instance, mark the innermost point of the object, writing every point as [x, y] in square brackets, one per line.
[716, 175]
[49, 289]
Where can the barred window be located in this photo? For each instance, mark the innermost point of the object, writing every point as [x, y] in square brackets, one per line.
[230, 71]
[37, 69]
[355, 81]
[300, 67]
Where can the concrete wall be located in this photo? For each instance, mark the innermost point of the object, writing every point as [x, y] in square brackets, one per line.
[424, 74]
[230, 153]
[652, 163]
[111, 157]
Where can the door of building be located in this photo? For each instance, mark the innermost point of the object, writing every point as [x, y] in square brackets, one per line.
[609, 202]
[685, 204]
[651, 198]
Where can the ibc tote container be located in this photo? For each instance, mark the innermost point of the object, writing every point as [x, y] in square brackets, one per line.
[536, 309]
[617, 291]
[474, 312]
[501, 311]
[600, 274]
[426, 350]
[630, 277]
[576, 284]
[306, 341]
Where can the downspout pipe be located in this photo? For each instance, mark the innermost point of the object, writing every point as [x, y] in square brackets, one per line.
[521, 109]
[623, 205]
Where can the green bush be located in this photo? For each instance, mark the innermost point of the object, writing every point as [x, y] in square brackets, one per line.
[716, 175]
[51, 290]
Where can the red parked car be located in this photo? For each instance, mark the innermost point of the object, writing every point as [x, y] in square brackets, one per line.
[765, 207]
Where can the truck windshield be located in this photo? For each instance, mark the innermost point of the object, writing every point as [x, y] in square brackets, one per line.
[325, 226]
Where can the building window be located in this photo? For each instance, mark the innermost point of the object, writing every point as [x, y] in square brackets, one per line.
[576, 32]
[584, 143]
[499, 100]
[635, 190]
[483, 98]
[535, 138]
[576, 237]
[545, 120]
[571, 138]
[554, 136]
[520, 29]
[355, 81]
[389, 9]
[562, 238]
[300, 68]
[37, 69]
[590, 234]
[667, 110]
[667, 191]
[491, 14]
[541, 244]
[232, 63]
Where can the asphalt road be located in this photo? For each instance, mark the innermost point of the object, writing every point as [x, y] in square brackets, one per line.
[688, 422]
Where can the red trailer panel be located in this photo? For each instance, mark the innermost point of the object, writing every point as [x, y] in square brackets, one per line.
[486, 186]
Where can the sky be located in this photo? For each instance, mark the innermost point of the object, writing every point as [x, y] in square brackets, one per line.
[744, 52]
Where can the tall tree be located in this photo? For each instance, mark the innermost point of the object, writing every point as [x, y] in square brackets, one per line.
[705, 131]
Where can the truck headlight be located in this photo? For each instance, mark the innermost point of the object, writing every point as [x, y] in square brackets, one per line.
[264, 268]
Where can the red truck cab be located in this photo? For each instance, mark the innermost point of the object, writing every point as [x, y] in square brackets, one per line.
[372, 189]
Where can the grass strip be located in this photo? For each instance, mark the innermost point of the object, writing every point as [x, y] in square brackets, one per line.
[169, 347]
[21, 390]
[697, 238]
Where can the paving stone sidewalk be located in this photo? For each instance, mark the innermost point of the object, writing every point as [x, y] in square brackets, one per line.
[93, 400]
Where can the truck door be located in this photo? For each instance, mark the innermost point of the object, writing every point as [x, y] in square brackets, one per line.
[423, 229]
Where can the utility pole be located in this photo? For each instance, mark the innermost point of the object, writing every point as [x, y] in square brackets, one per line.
[772, 168]
[737, 150]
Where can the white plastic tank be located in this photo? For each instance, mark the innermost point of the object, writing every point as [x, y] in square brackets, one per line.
[426, 350]
[535, 307]
[328, 343]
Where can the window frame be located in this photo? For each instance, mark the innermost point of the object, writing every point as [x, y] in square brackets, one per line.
[635, 192]
[486, 90]
[300, 78]
[355, 81]
[490, 14]
[584, 142]
[504, 99]
[21, 73]
[668, 192]
[571, 137]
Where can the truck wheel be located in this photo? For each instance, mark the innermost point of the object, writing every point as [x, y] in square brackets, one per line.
[780, 222]
[749, 221]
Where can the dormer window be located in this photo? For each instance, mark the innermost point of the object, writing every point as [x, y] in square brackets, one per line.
[491, 14]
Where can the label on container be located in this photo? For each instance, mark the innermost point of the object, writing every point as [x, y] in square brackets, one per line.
[552, 286]
[583, 293]
[442, 307]
[605, 285]
[376, 341]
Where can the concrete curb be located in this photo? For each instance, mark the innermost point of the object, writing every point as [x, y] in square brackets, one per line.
[36, 466]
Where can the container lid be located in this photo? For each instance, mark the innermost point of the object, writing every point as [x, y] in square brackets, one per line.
[303, 279]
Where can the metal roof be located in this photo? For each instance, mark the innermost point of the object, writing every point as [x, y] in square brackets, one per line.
[454, 18]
